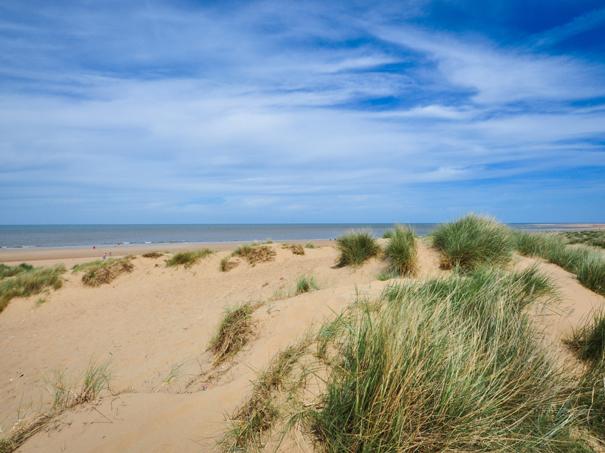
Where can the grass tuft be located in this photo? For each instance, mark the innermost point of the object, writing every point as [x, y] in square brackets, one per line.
[11, 271]
[473, 241]
[447, 365]
[355, 248]
[296, 249]
[309, 245]
[233, 334]
[153, 255]
[588, 342]
[401, 251]
[30, 282]
[586, 263]
[102, 272]
[187, 259]
[227, 264]
[259, 412]
[255, 254]
[305, 284]
[95, 380]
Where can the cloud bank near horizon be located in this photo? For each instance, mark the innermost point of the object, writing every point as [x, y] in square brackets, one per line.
[212, 112]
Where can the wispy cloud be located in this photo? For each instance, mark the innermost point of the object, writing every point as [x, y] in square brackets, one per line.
[265, 112]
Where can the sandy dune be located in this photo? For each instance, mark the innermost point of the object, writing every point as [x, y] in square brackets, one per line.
[152, 326]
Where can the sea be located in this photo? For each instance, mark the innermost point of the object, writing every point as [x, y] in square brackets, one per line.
[31, 236]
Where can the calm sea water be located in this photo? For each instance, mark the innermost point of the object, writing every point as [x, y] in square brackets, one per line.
[17, 236]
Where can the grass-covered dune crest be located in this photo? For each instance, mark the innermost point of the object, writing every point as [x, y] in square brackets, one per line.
[356, 247]
[473, 241]
[447, 365]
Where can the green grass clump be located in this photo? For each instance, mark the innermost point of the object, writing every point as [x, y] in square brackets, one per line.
[233, 334]
[473, 241]
[187, 259]
[102, 272]
[588, 342]
[591, 273]
[594, 238]
[401, 251]
[309, 245]
[11, 271]
[387, 234]
[586, 263]
[355, 248]
[30, 282]
[305, 284]
[447, 365]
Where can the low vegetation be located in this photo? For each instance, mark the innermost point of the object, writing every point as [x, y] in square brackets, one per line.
[305, 284]
[187, 259]
[233, 334]
[257, 414]
[588, 264]
[30, 282]
[296, 249]
[447, 365]
[95, 380]
[255, 254]
[101, 272]
[309, 245]
[473, 241]
[355, 248]
[588, 343]
[594, 238]
[11, 271]
[227, 263]
[153, 255]
[401, 253]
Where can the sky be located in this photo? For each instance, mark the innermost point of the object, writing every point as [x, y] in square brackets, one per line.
[190, 111]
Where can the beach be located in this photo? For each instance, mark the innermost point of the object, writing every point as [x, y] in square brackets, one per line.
[151, 328]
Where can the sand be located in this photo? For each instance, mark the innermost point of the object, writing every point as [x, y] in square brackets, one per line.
[152, 327]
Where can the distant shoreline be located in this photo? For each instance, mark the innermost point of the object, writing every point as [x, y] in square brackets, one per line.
[11, 255]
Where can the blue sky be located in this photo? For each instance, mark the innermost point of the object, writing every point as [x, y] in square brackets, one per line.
[268, 111]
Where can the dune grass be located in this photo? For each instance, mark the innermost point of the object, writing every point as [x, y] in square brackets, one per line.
[258, 413]
[594, 238]
[95, 380]
[588, 344]
[588, 264]
[30, 282]
[187, 259]
[355, 248]
[296, 249]
[309, 245]
[227, 264]
[473, 241]
[152, 255]
[233, 333]
[305, 284]
[446, 365]
[401, 253]
[255, 254]
[11, 271]
[102, 272]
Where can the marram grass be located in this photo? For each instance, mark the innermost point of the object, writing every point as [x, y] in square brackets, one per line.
[400, 252]
[473, 241]
[188, 259]
[588, 264]
[447, 365]
[29, 282]
[356, 248]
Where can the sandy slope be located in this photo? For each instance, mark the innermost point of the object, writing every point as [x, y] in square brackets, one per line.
[157, 320]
